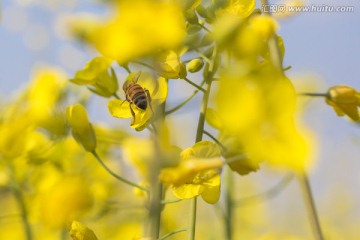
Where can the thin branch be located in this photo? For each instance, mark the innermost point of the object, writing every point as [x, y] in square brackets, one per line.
[205, 28]
[24, 213]
[215, 140]
[207, 60]
[194, 84]
[143, 64]
[310, 205]
[314, 94]
[174, 109]
[172, 233]
[171, 201]
[115, 175]
[268, 194]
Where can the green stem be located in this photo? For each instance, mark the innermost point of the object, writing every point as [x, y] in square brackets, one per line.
[115, 175]
[275, 55]
[229, 203]
[171, 201]
[174, 109]
[314, 94]
[199, 134]
[203, 27]
[172, 233]
[155, 211]
[192, 220]
[156, 196]
[193, 84]
[310, 206]
[143, 64]
[215, 140]
[207, 60]
[24, 217]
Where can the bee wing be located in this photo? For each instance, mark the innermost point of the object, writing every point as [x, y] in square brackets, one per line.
[136, 77]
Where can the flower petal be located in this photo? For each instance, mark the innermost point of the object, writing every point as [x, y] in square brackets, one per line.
[119, 108]
[187, 191]
[141, 118]
[206, 149]
[162, 90]
[211, 194]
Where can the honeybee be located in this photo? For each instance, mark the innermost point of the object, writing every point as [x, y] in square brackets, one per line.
[136, 94]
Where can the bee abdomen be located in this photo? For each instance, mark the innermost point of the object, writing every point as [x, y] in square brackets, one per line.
[140, 100]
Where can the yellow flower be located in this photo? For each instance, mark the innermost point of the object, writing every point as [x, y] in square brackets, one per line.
[261, 115]
[82, 129]
[232, 147]
[157, 90]
[138, 29]
[344, 100]
[96, 74]
[168, 65]
[79, 231]
[196, 175]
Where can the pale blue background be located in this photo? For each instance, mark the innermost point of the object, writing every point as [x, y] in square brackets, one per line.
[320, 47]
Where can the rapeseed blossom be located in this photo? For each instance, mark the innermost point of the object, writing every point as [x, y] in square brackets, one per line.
[168, 65]
[196, 173]
[261, 115]
[139, 28]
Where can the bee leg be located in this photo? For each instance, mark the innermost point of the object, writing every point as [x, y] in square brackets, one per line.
[136, 77]
[133, 114]
[148, 98]
[123, 102]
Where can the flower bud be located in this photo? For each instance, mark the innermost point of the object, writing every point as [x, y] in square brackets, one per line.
[79, 231]
[195, 65]
[265, 26]
[343, 94]
[201, 10]
[191, 16]
[345, 101]
[82, 130]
